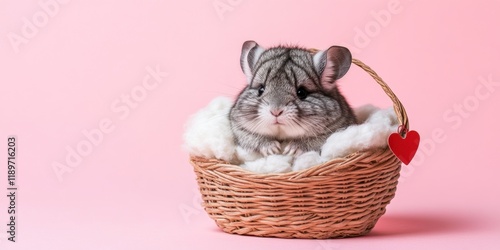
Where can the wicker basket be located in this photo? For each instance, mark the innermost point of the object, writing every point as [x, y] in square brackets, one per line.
[341, 198]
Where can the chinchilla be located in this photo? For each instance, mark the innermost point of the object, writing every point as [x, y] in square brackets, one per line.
[292, 102]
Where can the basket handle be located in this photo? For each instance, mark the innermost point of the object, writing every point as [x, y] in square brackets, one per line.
[398, 106]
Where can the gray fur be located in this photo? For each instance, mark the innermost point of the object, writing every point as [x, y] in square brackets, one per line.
[283, 73]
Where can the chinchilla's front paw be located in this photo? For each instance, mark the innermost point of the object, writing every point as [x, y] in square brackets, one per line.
[293, 149]
[271, 148]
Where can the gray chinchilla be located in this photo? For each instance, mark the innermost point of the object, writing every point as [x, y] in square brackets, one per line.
[291, 101]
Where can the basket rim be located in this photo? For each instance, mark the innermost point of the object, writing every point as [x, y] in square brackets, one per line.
[331, 167]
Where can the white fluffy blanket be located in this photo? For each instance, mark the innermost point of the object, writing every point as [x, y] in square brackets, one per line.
[208, 134]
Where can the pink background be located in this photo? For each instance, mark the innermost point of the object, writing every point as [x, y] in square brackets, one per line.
[65, 67]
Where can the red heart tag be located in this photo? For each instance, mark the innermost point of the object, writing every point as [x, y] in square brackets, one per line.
[404, 147]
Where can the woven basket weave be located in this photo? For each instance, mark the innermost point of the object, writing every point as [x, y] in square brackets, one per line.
[341, 198]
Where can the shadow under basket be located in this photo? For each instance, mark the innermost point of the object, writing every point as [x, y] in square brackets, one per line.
[343, 197]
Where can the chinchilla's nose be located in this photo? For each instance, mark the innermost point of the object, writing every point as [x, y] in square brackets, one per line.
[276, 112]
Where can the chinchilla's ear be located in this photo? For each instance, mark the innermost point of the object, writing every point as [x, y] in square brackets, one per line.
[250, 53]
[332, 64]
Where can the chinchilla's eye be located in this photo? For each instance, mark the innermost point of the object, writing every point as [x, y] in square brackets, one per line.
[302, 93]
[261, 89]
